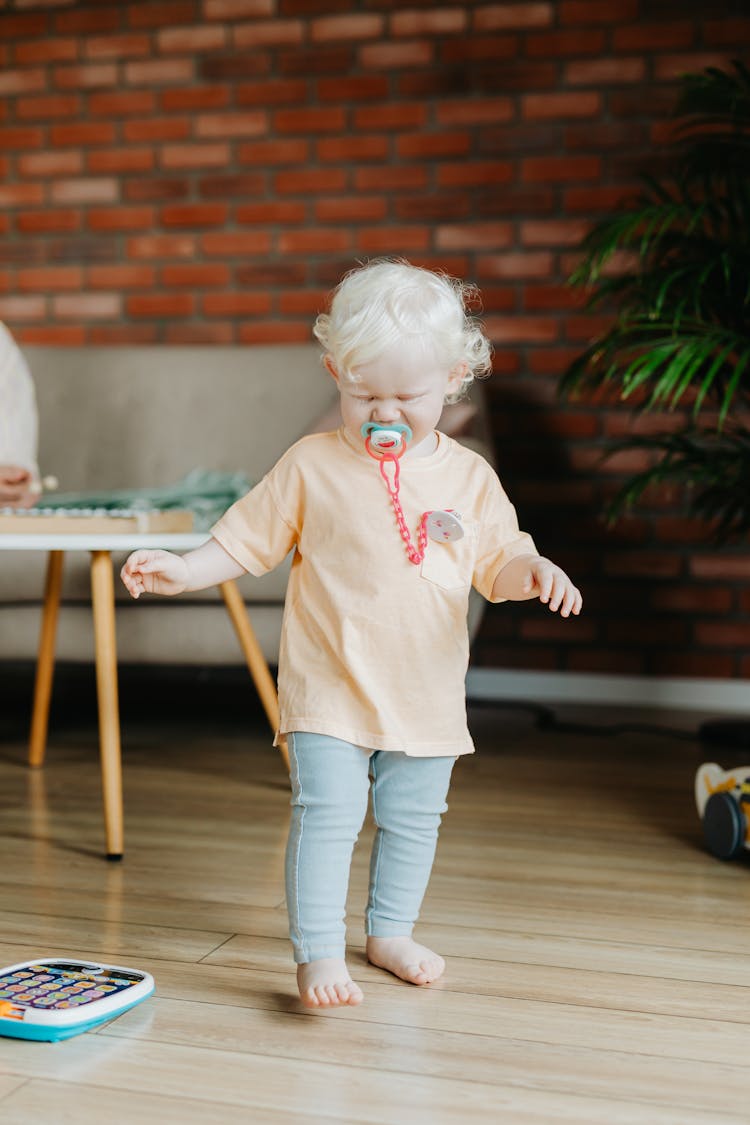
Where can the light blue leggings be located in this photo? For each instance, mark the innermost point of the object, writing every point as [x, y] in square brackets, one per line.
[330, 784]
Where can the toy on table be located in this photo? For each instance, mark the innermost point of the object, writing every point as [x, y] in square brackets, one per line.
[387, 444]
[55, 998]
[723, 801]
[206, 493]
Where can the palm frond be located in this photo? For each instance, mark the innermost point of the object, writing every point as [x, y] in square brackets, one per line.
[646, 354]
[715, 471]
[641, 229]
[716, 93]
[672, 265]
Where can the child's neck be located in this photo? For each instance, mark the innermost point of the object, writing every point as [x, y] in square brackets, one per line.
[426, 446]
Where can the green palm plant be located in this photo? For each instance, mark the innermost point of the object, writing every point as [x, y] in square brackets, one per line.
[673, 266]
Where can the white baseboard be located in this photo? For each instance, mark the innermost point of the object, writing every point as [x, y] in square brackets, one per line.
[496, 684]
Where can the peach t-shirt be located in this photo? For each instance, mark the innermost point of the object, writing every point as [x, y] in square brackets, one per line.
[374, 649]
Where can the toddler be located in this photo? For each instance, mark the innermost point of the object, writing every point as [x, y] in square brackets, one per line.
[391, 523]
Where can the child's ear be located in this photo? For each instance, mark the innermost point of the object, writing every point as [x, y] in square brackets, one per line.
[456, 378]
[328, 361]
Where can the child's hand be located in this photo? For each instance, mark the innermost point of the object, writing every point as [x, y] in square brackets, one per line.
[154, 572]
[551, 585]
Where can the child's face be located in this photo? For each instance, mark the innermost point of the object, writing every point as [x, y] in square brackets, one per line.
[397, 388]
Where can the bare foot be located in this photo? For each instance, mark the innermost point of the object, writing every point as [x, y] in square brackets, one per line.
[405, 959]
[326, 984]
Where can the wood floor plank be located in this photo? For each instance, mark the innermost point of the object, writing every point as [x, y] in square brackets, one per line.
[338, 1092]
[501, 1058]
[66, 1103]
[560, 984]
[8, 1084]
[159, 910]
[115, 935]
[712, 1040]
[589, 921]
[223, 879]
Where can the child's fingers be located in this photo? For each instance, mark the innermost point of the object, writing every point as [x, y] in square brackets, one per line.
[562, 589]
[564, 602]
[544, 581]
[136, 565]
[143, 562]
[555, 597]
[133, 562]
[132, 582]
[571, 601]
[148, 562]
[555, 588]
[568, 601]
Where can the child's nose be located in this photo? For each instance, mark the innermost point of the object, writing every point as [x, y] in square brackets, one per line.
[386, 412]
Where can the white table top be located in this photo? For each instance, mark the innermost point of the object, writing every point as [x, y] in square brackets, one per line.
[122, 541]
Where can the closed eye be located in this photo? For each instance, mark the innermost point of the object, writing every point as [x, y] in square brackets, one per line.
[399, 398]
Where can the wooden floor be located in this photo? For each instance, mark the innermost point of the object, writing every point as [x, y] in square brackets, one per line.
[598, 965]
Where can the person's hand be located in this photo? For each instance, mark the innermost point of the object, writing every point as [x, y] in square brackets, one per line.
[154, 572]
[551, 585]
[16, 487]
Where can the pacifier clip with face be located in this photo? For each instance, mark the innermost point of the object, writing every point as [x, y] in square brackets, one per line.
[387, 444]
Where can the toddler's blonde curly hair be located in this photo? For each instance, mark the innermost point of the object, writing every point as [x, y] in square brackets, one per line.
[388, 303]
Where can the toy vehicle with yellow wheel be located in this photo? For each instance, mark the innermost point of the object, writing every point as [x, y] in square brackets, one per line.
[723, 801]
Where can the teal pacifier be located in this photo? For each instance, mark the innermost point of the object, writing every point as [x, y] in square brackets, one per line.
[387, 440]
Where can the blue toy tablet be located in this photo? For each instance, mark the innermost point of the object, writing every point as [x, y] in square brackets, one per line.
[56, 998]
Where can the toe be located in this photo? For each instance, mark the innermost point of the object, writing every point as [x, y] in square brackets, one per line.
[341, 992]
[349, 993]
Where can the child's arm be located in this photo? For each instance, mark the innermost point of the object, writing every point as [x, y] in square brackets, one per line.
[531, 576]
[161, 572]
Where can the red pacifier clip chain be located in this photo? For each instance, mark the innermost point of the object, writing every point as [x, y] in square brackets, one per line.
[390, 443]
[386, 444]
[414, 554]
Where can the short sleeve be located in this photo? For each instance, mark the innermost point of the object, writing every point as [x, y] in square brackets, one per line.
[500, 538]
[255, 530]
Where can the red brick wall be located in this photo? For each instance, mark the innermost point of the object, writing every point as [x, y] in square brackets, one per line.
[180, 171]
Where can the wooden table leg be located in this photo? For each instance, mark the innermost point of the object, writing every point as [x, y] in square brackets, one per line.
[45, 662]
[255, 659]
[103, 602]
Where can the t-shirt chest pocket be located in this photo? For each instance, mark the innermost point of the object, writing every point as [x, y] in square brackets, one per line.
[451, 565]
